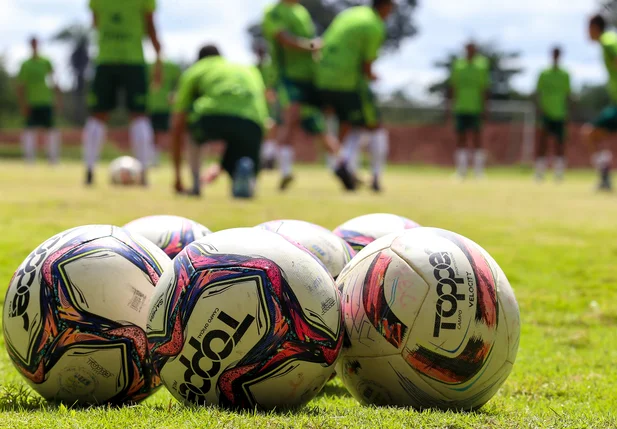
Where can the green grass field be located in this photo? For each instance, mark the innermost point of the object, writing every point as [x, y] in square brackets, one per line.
[556, 243]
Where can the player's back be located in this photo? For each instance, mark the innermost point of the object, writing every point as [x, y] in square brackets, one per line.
[225, 88]
[33, 75]
[470, 80]
[121, 28]
[354, 37]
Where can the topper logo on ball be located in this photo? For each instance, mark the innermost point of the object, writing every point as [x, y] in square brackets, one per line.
[197, 394]
[24, 278]
[447, 290]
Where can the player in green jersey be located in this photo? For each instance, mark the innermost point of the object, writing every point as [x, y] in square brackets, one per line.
[289, 30]
[35, 89]
[220, 101]
[596, 132]
[469, 87]
[552, 96]
[160, 99]
[351, 45]
[121, 66]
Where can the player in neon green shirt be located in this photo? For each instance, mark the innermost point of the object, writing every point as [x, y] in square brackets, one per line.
[220, 101]
[290, 32]
[160, 99]
[36, 99]
[596, 132]
[351, 45]
[469, 86]
[553, 94]
[121, 66]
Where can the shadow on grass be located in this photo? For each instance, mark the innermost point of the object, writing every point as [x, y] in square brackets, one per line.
[335, 389]
[21, 398]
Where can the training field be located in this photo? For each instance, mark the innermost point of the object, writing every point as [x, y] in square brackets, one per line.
[556, 243]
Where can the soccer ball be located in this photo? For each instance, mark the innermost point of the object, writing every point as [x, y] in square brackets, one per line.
[331, 250]
[432, 322]
[363, 230]
[245, 319]
[170, 233]
[125, 171]
[75, 316]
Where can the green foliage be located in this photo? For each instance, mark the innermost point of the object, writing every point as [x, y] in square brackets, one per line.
[8, 96]
[555, 243]
[504, 67]
[400, 25]
[590, 101]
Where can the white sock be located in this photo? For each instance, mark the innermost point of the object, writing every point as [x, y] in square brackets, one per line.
[560, 167]
[194, 154]
[53, 146]
[479, 161]
[286, 160]
[142, 140]
[350, 152]
[268, 150]
[540, 168]
[28, 144]
[462, 162]
[379, 147]
[602, 159]
[93, 138]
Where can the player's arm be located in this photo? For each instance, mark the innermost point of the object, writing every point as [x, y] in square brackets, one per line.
[298, 43]
[56, 87]
[486, 92]
[153, 34]
[374, 39]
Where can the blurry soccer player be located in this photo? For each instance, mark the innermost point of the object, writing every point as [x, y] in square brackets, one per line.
[290, 32]
[220, 101]
[268, 72]
[596, 132]
[160, 99]
[469, 86]
[36, 100]
[121, 66]
[351, 45]
[553, 94]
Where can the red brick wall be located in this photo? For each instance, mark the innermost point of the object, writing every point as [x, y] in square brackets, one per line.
[429, 144]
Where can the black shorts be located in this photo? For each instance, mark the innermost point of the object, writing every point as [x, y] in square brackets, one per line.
[111, 79]
[243, 137]
[40, 117]
[160, 121]
[555, 128]
[293, 91]
[357, 108]
[468, 122]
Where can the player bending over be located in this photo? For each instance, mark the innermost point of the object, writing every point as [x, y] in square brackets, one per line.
[596, 132]
[220, 101]
[36, 100]
[121, 66]
[290, 33]
[351, 46]
[469, 85]
[160, 99]
[552, 97]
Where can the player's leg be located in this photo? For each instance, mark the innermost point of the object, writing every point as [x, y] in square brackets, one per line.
[52, 136]
[141, 133]
[379, 144]
[479, 155]
[28, 137]
[160, 126]
[461, 155]
[102, 99]
[289, 131]
[594, 135]
[560, 164]
[269, 150]
[541, 151]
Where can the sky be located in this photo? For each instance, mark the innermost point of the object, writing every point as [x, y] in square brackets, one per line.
[529, 26]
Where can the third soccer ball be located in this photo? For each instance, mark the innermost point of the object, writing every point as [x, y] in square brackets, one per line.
[432, 322]
[125, 171]
[361, 231]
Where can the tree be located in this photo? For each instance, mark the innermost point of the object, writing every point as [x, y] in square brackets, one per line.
[8, 98]
[503, 67]
[610, 8]
[400, 25]
[79, 38]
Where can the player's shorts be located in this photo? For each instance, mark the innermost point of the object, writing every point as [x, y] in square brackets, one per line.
[358, 108]
[556, 128]
[293, 91]
[607, 120]
[243, 137]
[40, 117]
[468, 122]
[160, 121]
[110, 79]
[313, 121]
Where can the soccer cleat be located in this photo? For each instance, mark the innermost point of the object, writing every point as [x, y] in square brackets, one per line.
[285, 182]
[244, 178]
[348, 179]
[89, 177]
[376, 186]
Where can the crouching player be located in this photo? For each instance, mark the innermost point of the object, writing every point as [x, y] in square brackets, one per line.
[606, 123]
[220, 101]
